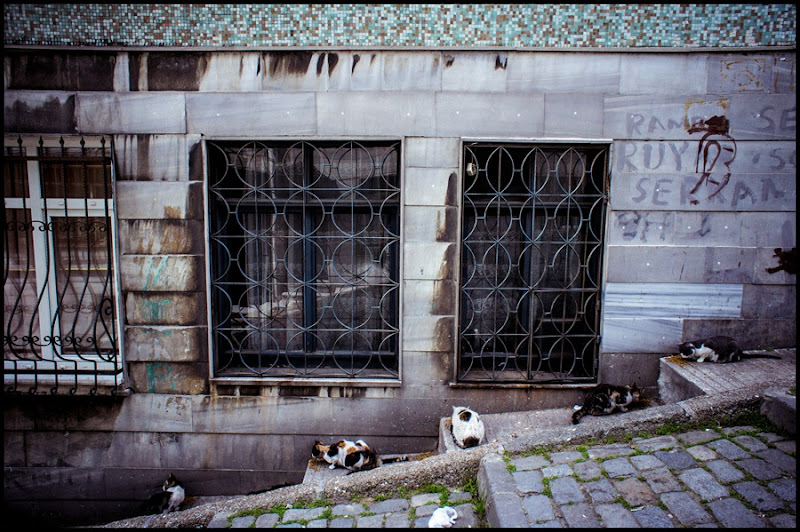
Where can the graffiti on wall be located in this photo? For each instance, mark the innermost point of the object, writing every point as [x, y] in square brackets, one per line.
[715, 153]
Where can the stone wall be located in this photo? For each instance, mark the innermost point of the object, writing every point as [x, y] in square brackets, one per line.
[680, 262]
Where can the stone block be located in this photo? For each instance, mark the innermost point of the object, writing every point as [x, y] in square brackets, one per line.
[359, 114]
[162, 273]
[161, 237]
[154, 157]
[640, 335]
[430, 224]
[131, 113]
[737, 73]
[573, 114]
[663, 74]
[563, 72]
[168, 378]
[147, 200]
[763, 116]
[428, 334]
[485, 72]
[662, 117]
[431, 186]
[672, 264]
[672, 300]
[428, 152]
[60, 70]
[431, 261]
[231, 71]
[39, 112]
[165, 308]
[165, 344]
[429, 298]
[484, 115]
[412, 71]
[251, 114]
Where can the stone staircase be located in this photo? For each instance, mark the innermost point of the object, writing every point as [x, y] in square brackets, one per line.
[679, 381]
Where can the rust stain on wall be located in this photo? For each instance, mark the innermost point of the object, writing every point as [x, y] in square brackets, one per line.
[293, 63]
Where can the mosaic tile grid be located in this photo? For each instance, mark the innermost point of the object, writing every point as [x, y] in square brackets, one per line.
[401, 25]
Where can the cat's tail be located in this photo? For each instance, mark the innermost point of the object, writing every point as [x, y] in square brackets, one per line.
[745, 354]
[577, 415]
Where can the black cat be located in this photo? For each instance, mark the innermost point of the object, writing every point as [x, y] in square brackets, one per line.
[720, 349]
[603, 399]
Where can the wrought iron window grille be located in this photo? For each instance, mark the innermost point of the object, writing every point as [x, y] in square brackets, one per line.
[304, 250]
[532, 228]
[60, 328]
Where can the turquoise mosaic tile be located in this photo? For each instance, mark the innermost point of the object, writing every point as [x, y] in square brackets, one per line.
[401, 25]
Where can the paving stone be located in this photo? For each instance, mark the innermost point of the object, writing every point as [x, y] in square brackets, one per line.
[750, 443]
[296, 514]
[316, 523]
[600, 490]
[610, 450]
[655, 444]
[635, 492]
[771, 437]
[456, 497]
[528, 481]
[616, 516]
[538, 507]
[467, 517]
[268, 520]
[685, 509]
[779, 459]
[566, 489]
[560, 470]
[525, 463]
[728, 449]
[548, 524]
[347, 509]
[424, 498]
[243, 522]
[787, 446]
[587, 470]
[397, 520]
[370, 521]
[677, 459]
[618, 467]
[759, 469]
[565, 457]
[783, 521]
[661, 480]
[698, 436]
[580, 515]
[724, 471]
[731, 513]
[390, 505]
[758, 496]
[731, 431]
[220, 520]
[287, 525]
[342, 522]
[644, 462]
[653, 517]
[785, 489]
[702, 453]
[703, 483]
[426, 509]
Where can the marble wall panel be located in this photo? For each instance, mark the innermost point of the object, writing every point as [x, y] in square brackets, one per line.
[233, 71]
[573, 115]
[763, 116]
[430, 186]
[674, 264]
[159, 273]
[666, 117]
[673, 192]
[475, 72]
[359, 114]
[412, 71]
[153, 157]
[166, 413]
[291, 71]
[785, 69]
[769, 229]
[553, 72]
[429, 298]
[635, 335]
[147, 200]
[430, 224]
[182, 344]
[39, 112]
[764, 302]
[672, 300]
[489, 115]
[765, 258]
[428, 152]
[663, 74]
[131, 113]
[641, 228]
[432, 261]
[423, 333]
[732, 73]
[251, 114]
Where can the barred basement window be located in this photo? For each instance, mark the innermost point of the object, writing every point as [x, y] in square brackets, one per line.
[304, 258]
[533, 225]
[59, 297]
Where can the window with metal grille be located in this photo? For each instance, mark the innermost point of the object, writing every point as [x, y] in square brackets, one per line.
[532, 229]
[304, 258]
[59, 298]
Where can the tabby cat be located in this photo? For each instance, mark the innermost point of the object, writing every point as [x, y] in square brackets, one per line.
[720, 349]
[467, 427]
[606, 398]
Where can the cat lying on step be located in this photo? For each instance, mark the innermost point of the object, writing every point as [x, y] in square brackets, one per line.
[352, 455]
[168, 499]
[604, 399]
[467, 427]
[720, 349]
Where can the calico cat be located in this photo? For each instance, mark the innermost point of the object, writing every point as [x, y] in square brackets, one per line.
[605, 398]
[168, 499]
[352, 455]
[721, 349]
[467, 427]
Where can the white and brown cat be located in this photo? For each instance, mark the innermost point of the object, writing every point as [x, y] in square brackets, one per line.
[352, 455]
[604, 399]
[467, 427]
[720, 349]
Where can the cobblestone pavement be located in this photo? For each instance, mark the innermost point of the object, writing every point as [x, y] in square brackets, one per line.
[735, 477]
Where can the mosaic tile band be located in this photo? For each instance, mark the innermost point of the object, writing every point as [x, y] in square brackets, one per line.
[401, 25]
